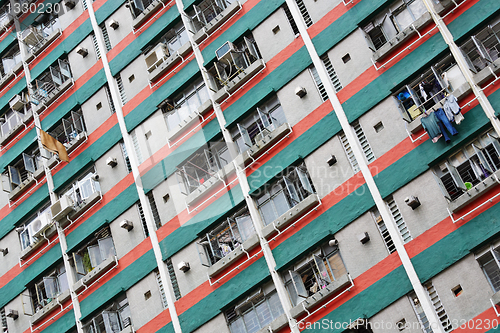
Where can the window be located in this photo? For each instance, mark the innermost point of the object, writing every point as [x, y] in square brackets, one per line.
[49, 84]
[22, 170]
[400, 223]
[96, 46]
[105, 35]
[97, 250]
[121, 89]
[490, 265]
[305, 14]
[363, 141]
[392, 21]
[113, 319]
[10, 59]
[185, 104]
[206, 11]
[35, 35]
[438, 307]
[331, 72]
[319, 84]
[428, 89]
[138, 6]
[85, 186]
[137, 148]
[265, 119]
[484, 47]
[469, 166]
[143, 219]
[71, 128]
[202, 165]
[125, 157]
[233, 59]
[313, 273]
[255, 312]
[173, 278]
[175, 38]
[110, 98]
[26, 231]
[161, 288]
[154, 210]
[285, 193]
[48, 288]
[225, 237]
[419, 312]
[3, 321]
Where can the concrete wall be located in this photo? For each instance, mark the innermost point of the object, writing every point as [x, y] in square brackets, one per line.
[13, 244]
[269, 42]
[134, 77]
[125, 240]
[319, 8]
[123, 16]
[354, 45]
[387, 319]
[218, 324]
[22, 323]
[433, 204]
[328, 178]
[108, 176]
[197, 273]
[79, 65]
[152, 134]
[394, 128]
[176, 201]
[96, 110]
[359, 257]
[67, 16]
[143, 310]
[296, 108]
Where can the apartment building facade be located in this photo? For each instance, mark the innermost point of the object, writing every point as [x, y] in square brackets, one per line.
[250, 166]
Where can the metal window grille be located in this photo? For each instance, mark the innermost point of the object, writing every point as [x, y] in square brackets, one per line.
[154, 210]
[419, 311]
[96, 46]
[304, 12]
[105, 35]
[121, 89]
[438, 307]
[162, 289]
[331, 72]
[110, 99]
[3, 319]
[289, 16]
[143, 219]
[319, 84]
[400, 222]
[137, 148]
[125, 157]
[363, 141]
[385, 234]
[173, 278]
[349, 152]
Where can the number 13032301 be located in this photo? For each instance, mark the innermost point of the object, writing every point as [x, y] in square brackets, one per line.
[34, 8]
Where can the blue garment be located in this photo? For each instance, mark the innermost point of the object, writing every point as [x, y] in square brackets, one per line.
[441, 115]
[432, 126]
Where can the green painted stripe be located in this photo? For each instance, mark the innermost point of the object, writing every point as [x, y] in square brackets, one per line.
[7, 43]
[62, 325]
[134, 49]
[108, 8]
[102, 217]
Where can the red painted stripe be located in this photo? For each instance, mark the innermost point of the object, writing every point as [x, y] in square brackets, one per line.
[156, 323]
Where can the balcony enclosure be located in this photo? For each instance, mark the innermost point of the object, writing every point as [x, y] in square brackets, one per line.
[98, 249]
[138, 6]
[84, 187]
[313, 273]
[22, 170]
[483, 48]
[6, 18]
[232, 59]
[10, 59]
[469, 166]
[69, 128]
[262, 121]
[206, 11]
[185, 104]
[289, 190]
[13, 117]
[392, 21]
[46, 289]
[441, 78]
[202, 165]
[26, 235]
[49, 84]
[225, 237]
[113, 319]
[36, 35]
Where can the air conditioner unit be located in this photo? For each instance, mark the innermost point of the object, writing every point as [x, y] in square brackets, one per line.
[62, 207]
[70, 3]
[82, 51]
[183, 266]
[40, 224]
[160, 51]
[16, 103]
[114, 24]
[224, 51]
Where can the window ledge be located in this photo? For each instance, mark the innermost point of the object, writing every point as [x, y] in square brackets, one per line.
[55, 94]
[210, 184]
[459, 93]
[216, 22]
[397, 40]
[189, 121]
[147, 13]
[291, 215]
[276, 325]
[239, 80]
[262, 145]
[44, 45]
[473, 193]
[320, 296]
[70, 146]
[237, 253]
[486, 74]
[55, 303]
[96, 273]
[164, 64]
[4, 139]
[33, 247]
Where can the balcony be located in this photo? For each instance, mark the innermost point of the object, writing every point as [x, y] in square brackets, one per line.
[23, 173]
[51, 306]
[35, 233]
[38, 38]
[16, 119]
[11, 65]
[95, 274]
[52, 84]
[475, 192]
[144, 9]
[210, 15]
[189, 121]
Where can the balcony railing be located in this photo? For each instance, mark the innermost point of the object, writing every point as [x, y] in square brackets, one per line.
[37, 38]
[52, 84]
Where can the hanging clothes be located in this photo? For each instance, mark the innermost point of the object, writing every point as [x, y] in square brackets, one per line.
[440, 114]
[458, 118]
[422, 91]
[451, 105]
[431, 126]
